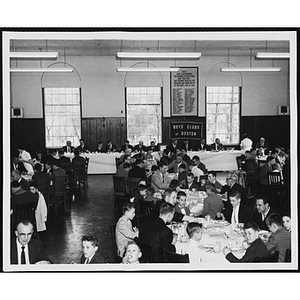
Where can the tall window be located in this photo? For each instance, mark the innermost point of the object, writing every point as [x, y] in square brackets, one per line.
[143, 114]
[62, 112]
[223, 114]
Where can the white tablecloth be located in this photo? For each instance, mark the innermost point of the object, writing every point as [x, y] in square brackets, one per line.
[218, 161]
[100, 163]
[208, 255]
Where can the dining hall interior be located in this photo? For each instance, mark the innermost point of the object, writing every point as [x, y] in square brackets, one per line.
[130, 106]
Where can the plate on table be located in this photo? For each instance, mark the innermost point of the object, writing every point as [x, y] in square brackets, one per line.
[216, 232]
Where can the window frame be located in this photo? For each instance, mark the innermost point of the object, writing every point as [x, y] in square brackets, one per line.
[44, 116]
[240, 113]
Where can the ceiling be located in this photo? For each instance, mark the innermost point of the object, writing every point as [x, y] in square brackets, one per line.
[111, 47]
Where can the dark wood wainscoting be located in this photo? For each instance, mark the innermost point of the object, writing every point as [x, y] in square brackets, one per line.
[30, 132]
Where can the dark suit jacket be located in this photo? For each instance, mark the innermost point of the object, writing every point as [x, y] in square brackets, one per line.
[65, 148]
[137, 172]
[24, 184]
[263, 174]
[153, 148]
[187, 159]
[216, 147]
[204, 147]
[256, 249]
[257, 218]
[25, 198]
[157, 233]
[97, 259]
[155, 212]
[19, 166]
[123, 148]
[83, 148]
[266, 146]
[202, 167]
[64, 160]
[244, 213]
[138, 148]
[35, 250]
[40, 176]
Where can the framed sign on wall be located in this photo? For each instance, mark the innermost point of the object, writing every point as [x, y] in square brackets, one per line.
[186, 130]
[184, 92]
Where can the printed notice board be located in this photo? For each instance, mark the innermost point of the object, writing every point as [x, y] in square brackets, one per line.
[184, 92]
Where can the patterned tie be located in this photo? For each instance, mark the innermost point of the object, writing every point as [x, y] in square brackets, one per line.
[23, 262]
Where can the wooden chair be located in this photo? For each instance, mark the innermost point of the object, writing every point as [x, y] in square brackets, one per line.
[271, 258]
[146, 207]
[121, 195]
[288, 257]
[132, 185]
[141, 219]
[87, 160]
[147, 251]
[276, 187]
[117, 258]
[43, 185]
[78, 174]
[171, 257]
[24, 212]
[59, 191]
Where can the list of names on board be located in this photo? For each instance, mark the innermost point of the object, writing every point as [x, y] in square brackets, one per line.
[184, 95]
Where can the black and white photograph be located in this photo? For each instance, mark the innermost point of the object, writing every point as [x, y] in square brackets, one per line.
[150, 150]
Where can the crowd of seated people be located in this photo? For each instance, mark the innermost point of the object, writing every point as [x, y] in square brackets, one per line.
[164, 180]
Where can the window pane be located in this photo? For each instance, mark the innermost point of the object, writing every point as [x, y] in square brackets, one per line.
[62, 116]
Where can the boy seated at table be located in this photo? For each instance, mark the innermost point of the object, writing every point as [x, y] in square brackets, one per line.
[182, 176]
[286, 221]
[150, 195]
[213, 204]
[90, 246]
[194, 230]
[133, 254]
[124, 231]
[140, 196]
[181, 207]
[190, 182]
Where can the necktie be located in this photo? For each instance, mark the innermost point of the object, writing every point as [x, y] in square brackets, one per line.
[23, 262]
[86, 261]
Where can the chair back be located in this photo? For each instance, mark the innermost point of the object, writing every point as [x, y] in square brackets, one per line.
[142, 218]
[132, 185]
[171, 257]
[274, 179]
[79, 168]
[86, 166]
[119, 184]
[67, 166]
[114, 243]
[147, 251]
[288, 257]
[239, 162]
[43, 186]
[146, 207]
[271, 258]
[24, 212]
[59, 186]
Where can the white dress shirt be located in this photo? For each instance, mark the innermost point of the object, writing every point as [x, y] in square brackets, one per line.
[235, 215]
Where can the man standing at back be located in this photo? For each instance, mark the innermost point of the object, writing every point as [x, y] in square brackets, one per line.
[156, 232]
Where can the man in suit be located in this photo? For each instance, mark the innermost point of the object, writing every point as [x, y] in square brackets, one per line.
[57, 171]
[232, 186]
[140, 147]
[199, 164]
[16, 175]
[159, 181]
[185, 156]
[156, 232]
[83, 147]
[21, 196]
[212, 179]
[216, 146]
[263, 146]
[17, 165]
[174, 165]
[90, 249]
[256, 246]
[280, 239]
[24, 249]
[263, 210]
[110, 147]
[39, 175]
[203, 146]
[153, 147]
[68, 148]
[237, 212]
[186, 145]
[173, 146]
[126, 146]
[63, 159]
[138, 171]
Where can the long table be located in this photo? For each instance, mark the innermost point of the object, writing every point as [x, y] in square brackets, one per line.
[218, 161]
[105, 163]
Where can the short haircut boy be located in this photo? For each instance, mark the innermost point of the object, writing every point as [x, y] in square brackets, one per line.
[141, 187]
[166, 208]
[274, 219]
[127, 207]
[192, 228]
[181, 194]
[252, 225]
[92, 239]
[168, 192]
